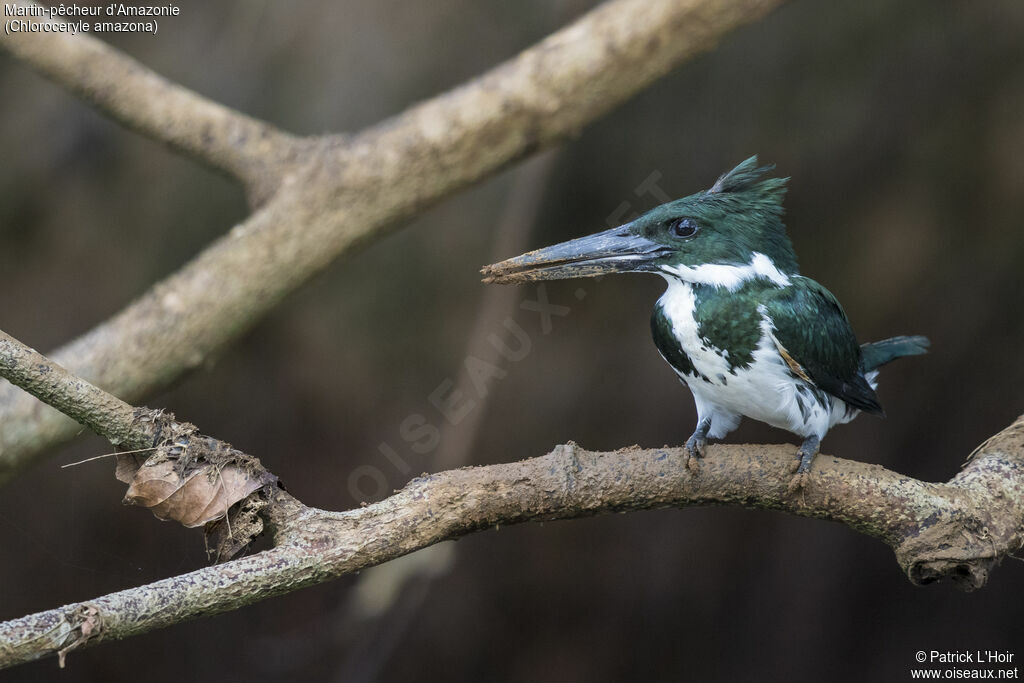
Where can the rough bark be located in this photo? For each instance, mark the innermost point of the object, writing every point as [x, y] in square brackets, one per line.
[957, 530]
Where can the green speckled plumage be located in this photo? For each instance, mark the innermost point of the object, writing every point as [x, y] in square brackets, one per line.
[812, 326]
[731, 320]
[806, 319]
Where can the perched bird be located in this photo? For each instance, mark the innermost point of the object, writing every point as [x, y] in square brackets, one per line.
[740, 326]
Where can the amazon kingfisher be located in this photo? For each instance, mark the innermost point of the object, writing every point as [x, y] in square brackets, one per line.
[740, 326]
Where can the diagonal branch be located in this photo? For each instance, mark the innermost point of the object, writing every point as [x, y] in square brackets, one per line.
[958, 530]
[107, 415]
[347, 192]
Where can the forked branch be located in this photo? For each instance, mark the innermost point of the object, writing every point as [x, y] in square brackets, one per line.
[320, 198]
[957, 530]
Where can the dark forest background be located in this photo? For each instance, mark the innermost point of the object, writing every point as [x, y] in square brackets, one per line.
[902, 128]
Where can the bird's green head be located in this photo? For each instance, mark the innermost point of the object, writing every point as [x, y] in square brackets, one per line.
[723, 236]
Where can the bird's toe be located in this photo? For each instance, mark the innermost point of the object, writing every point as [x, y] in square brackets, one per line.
[694, 452]
[693, 463]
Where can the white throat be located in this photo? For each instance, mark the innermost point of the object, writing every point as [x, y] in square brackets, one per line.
[731, 277]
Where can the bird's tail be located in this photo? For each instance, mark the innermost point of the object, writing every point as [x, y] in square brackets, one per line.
[876, 354]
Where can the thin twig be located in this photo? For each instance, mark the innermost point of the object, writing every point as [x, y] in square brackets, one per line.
[107, 455]
[105, 414]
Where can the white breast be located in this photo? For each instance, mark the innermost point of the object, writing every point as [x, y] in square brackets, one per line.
[766, 390]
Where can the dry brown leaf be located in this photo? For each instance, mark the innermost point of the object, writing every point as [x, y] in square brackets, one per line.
[202, 495]
[187, 477]
[127, 465]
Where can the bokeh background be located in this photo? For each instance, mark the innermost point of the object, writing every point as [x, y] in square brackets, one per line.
[902, 127]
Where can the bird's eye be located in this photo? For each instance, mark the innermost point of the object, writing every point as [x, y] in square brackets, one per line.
[685, 227]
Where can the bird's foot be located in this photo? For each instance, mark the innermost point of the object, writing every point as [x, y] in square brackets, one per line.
[695, 451]
[696, 443]
[802, 463]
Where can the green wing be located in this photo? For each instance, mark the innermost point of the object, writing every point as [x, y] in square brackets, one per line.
[817, 342]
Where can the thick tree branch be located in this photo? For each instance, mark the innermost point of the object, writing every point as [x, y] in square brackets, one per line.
[347, 192]
[958, 530]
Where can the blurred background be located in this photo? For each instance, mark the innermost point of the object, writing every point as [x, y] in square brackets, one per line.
[902, 128]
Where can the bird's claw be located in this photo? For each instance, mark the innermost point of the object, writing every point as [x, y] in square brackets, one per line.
[797, 482]
[802, 464]
[696, 443]
[694, 452]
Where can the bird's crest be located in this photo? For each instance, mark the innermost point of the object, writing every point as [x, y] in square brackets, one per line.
[746, 178]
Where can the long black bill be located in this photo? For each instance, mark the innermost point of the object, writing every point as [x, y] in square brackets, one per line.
[613, 251]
